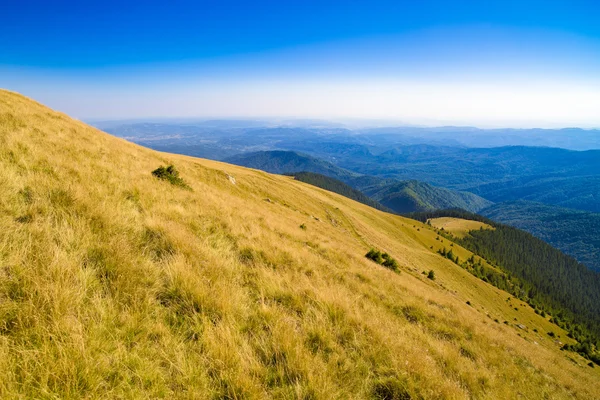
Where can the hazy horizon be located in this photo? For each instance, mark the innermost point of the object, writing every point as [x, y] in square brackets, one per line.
[344, 123]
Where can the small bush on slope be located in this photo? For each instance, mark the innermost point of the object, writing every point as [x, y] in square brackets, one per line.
[383, 259]
[171, 175]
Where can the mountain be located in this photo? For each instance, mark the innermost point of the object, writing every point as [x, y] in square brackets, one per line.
[339, 187]
[130, 273]
[465, 136]
[548, 175]
[399, 196]
[284, 162]
[574, 232]
[415, 196]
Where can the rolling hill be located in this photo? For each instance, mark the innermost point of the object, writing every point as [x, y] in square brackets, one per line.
[415, 196]
[398, 196]
[574, 232]
[339, 187]
[286, 162]
[115, 283]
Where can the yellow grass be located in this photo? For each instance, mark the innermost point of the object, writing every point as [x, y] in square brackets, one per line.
[457, 226]
[114, 284]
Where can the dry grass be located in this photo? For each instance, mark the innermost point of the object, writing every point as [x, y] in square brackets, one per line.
[457, 226]
[114, 284]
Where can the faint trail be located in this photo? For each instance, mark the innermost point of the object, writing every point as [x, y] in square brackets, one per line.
[350, 224]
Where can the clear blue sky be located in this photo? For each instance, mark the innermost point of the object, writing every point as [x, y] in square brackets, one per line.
[303, 58]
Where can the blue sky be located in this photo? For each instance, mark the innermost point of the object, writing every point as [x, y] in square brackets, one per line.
[486, 63]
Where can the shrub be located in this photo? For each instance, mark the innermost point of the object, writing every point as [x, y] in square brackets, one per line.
[383, 259]
[171, 175]
[374, 255]
[431, 275]
[303, 227]
[390, 263]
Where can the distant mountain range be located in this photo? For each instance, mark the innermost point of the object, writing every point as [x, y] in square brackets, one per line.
[552, 176]
[285, 162]
[459, 158]
[305, 131]
[398, 196]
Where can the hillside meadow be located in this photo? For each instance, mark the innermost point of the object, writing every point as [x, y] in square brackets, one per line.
[115, 284]
[457, 226]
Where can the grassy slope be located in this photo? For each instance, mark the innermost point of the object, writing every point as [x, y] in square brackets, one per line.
[115, 284]
[457, 226]
[337, 186]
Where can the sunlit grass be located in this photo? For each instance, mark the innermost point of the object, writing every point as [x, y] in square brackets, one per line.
[457, 226]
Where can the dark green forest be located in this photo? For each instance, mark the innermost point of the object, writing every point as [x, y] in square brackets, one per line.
[535, 272]
[408, 196]
[574, 232]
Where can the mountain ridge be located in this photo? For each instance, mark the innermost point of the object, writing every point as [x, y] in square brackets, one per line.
[399, 196]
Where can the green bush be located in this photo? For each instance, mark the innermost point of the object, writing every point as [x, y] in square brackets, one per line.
[431, 275]
[375, 255]
[171, 175]
[391, 264]
[383, 259]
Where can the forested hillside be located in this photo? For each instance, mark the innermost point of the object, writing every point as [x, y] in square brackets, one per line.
[411, 196]
[574, 232]
[543, 276]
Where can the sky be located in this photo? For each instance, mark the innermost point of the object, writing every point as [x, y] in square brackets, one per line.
[490, 63]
